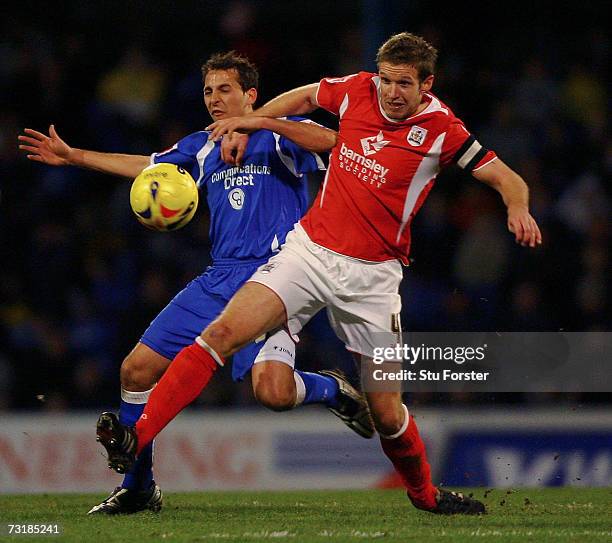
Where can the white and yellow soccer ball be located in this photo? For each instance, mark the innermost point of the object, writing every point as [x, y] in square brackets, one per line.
[164, 197]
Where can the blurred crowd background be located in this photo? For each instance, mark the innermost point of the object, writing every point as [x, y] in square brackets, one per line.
[80, 279]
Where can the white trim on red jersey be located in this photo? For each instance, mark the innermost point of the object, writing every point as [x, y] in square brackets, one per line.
[324, 187]
[333, 80]
[434, 105]
[483, 165]
[343, 106]
[426, 171]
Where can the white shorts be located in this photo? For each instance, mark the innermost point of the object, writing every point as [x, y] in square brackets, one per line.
[279, 347]
[361, 298]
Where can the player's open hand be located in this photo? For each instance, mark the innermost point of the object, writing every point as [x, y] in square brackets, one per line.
[50, 149]
[245, 124]
[233, 147]
[524, 227]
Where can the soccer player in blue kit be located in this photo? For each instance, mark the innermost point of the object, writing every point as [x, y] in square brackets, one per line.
[252, 206]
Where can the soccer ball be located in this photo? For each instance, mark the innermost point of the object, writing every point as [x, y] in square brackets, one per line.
[164, 197]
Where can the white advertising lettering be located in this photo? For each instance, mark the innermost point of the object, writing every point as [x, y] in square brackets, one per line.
[368, 170]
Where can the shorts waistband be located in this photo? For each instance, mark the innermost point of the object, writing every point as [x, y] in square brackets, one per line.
[302, 231]
[232, 262]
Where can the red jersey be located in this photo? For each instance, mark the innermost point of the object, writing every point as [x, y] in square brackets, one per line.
[381, 170]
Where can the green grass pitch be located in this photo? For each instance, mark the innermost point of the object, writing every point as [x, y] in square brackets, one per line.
[564, 514]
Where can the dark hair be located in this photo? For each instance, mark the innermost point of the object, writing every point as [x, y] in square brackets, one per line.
[248, 77]
[406, 48]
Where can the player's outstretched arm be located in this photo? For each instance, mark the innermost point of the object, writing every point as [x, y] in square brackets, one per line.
[294, 102]
[515, 193]
[308, 135]
[54, 151]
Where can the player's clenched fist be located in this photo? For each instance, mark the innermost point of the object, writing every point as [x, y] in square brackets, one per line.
[233, 147]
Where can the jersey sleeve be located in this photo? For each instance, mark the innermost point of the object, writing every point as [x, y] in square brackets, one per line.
[462, 148]
[185, 153]
[332, 91]
[297, 160]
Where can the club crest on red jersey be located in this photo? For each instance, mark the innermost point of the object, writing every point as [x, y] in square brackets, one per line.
[416, 136]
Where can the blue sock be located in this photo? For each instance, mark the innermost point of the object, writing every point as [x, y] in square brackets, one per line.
[141, 475]
[319, 388]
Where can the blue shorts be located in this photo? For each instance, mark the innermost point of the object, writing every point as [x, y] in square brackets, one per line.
[195, 307]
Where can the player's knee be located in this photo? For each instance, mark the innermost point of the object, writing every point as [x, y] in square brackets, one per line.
[137, 374]
[275, 396]
[220, 337]
[389, 421]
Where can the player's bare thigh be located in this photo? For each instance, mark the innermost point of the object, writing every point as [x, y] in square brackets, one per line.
[142, 368]
[252, 311]
[274, 385]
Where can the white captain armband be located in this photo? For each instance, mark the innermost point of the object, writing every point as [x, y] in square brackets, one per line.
[470, 154]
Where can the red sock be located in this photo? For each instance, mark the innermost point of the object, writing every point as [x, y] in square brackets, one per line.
[182, 383]
[407, 452]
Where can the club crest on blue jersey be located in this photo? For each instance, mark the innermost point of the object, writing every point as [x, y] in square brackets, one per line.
[236, 198]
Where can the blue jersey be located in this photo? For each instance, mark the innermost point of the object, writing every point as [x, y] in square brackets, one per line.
[253, 206]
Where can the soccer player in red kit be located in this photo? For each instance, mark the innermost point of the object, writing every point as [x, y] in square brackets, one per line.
[346, 254]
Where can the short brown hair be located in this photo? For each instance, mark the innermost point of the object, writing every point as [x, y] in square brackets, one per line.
[406, 48]
[248, 77]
